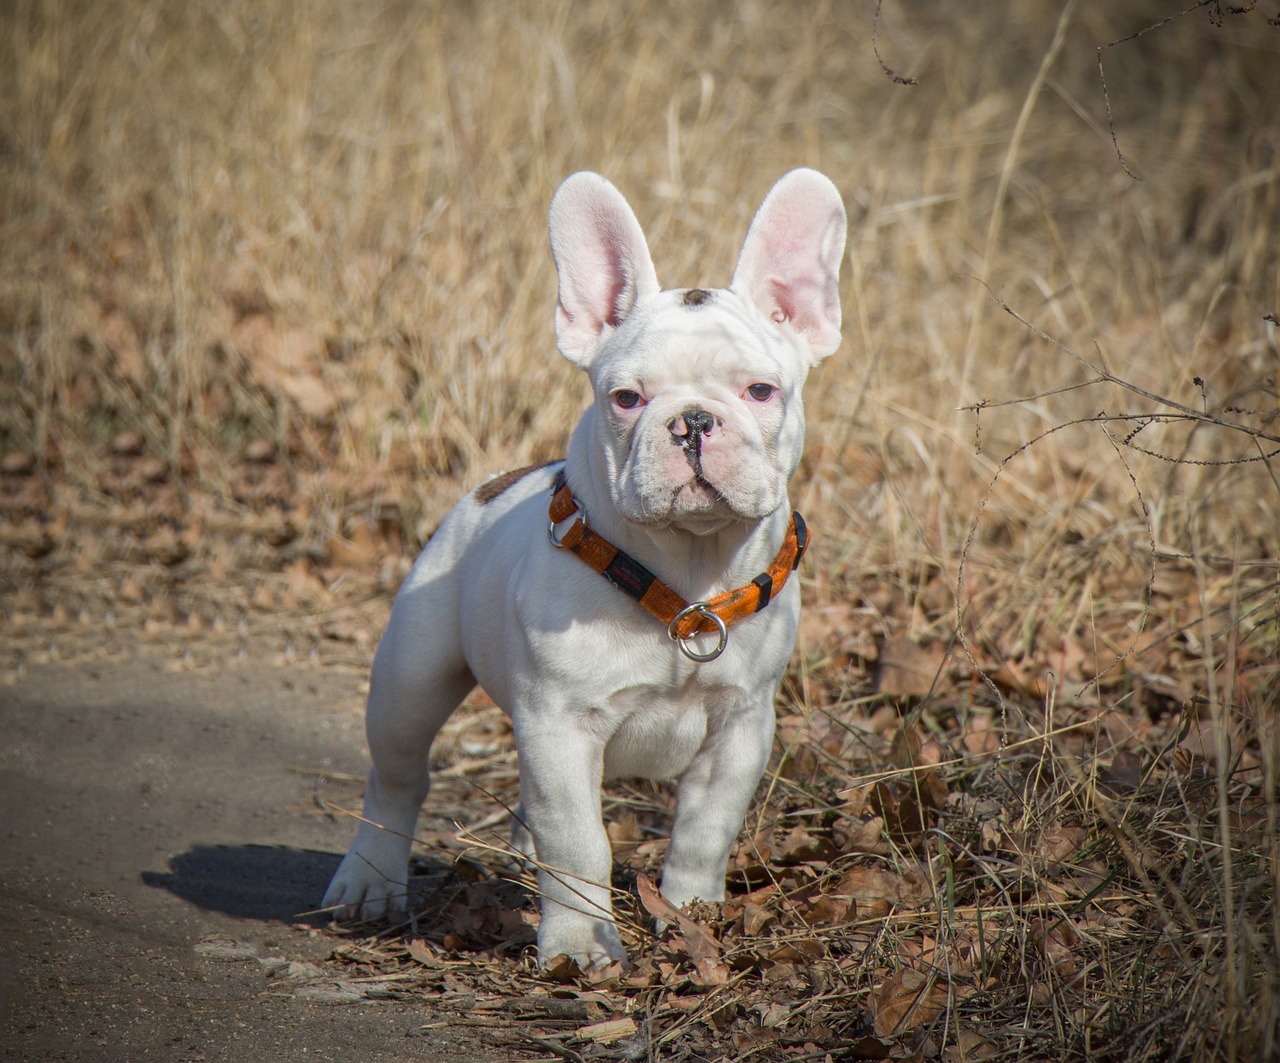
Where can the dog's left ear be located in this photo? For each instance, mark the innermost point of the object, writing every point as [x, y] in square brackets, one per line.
[603, 262]
[790, 262]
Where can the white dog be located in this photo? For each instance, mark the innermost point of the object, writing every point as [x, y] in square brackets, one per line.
[674, 489]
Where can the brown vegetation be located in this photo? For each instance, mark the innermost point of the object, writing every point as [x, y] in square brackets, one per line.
[274, 290]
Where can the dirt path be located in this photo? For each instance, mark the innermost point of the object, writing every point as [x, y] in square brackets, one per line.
[161, 836]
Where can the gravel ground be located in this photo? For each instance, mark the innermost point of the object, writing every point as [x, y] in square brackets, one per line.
[163, 840]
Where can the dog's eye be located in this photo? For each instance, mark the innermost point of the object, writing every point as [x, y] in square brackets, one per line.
[761, 392]
[627, 400]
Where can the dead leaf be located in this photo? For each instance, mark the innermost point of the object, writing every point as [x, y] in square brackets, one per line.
[1053, 940]
[755, 918]
[855, 798]
[655, 903]
[876, 890]
[302, 583]
[906, 1000]
[694, 937]
[1060, 842]
[361, 548]
[829, 909]
[563, 968]
[904, 751]
[128, 444]
[970, 1047]
[800, 846]
[910, 806]
[871, 1048]
[624, 833]
[801, 950]
[907, 670]
[774, 1013]
[1124, 775]
[260, 451]
[422, 953]
[18, 463]
[980, 736]
[1023, 676]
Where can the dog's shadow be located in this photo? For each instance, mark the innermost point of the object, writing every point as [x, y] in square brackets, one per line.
[280, 884]
[268, 883]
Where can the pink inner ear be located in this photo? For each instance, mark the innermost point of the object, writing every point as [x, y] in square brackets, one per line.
[593, 288]
[602, 261]
[790, 262]
[800, 299]
[616, 271]
[791, 296]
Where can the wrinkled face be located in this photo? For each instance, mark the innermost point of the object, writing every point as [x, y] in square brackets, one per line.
[698, 412]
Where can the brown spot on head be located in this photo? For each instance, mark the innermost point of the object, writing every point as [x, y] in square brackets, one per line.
[696, 297]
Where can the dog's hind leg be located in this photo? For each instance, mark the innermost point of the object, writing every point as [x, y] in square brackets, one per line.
[418, 679]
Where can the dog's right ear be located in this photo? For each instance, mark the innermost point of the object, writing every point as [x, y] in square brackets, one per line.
[602, 260]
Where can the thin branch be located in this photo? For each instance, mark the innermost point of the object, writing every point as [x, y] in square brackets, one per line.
[897, 79]
[1109, 377]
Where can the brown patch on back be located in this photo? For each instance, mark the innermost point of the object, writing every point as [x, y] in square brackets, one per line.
[491, 489]
[696, 297]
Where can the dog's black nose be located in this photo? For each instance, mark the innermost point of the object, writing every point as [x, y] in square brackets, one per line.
[696, 423]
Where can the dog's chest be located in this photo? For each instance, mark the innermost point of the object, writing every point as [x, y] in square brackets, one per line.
[657, 731]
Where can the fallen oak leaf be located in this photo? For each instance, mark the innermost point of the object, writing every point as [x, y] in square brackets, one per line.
[904, 1001]
[755, 918]
[877, 890]
[1053, 940]
[801, 846]
[907, 671]
[655, 903]
[605, 974]
[756, 901]
[909, 807]
[829, 909]
[563, 968]
[420, 952]
[799, 951]
[694, 937]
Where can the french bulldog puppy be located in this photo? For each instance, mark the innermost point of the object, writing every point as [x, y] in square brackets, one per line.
[675, 489]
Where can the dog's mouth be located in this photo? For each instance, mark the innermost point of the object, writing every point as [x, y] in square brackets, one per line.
[697, 493]
[700, 499]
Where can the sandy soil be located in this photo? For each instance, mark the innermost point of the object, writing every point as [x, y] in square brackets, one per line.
[163, 838]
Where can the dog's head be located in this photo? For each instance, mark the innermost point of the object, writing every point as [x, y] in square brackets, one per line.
[698, 420]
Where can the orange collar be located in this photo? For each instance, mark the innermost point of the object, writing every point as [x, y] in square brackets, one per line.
[683, 619]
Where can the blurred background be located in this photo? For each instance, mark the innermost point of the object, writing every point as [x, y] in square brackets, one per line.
[275, 286]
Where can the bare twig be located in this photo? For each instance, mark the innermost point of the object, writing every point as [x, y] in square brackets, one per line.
[896, 78]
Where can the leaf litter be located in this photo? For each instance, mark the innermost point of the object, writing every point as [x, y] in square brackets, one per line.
[919, 880]
[950, 857]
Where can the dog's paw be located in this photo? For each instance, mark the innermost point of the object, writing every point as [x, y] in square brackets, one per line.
[592, 944]
[359, 893]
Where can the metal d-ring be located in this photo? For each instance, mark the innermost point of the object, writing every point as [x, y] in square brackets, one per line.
[581, 511]
[703, 610]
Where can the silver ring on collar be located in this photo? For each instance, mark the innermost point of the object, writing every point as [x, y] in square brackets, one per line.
[703, 610]
[551, 524]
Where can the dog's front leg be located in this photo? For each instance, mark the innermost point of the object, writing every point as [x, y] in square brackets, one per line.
[711, 802]
[560, 777]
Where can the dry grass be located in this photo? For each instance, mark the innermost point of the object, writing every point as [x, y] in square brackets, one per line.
[274, 289]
